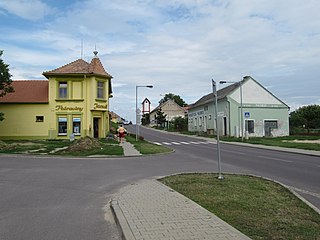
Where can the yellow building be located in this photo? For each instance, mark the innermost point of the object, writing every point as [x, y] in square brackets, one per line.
[74, 101]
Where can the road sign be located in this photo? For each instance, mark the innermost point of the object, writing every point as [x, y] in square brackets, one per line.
[220, 114]
[247, 114]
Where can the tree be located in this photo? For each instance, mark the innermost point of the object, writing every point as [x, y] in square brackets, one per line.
[174, 97]
[306, 117]
[145, 119]
[180, 124]
[5, 80]
[160, 117]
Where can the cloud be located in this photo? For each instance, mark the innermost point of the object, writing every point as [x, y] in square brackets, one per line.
[27, 9]
[177, 46]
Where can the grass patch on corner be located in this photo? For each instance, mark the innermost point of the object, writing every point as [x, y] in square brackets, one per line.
[259, 208]
[145, 147]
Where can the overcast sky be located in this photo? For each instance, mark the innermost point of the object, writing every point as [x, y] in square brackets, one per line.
[177, 46]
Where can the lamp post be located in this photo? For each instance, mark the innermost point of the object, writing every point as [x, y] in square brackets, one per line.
[241, 105]
[137, 125]
[215, 95]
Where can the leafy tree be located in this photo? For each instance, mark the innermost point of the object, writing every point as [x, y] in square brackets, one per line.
[5, 80]
[145, 119]
[160, 117]
[306, 117]
[174, 97]
[180, 124]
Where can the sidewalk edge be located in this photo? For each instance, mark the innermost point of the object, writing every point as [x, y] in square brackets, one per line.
[121, 221]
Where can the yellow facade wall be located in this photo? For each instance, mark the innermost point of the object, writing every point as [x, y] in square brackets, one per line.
[21, 121]
[81, 103]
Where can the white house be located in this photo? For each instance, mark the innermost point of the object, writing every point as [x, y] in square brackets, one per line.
[169, 108]
[260, 114]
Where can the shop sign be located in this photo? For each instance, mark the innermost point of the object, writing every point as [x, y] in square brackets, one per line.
[97, 105]
[68, 108]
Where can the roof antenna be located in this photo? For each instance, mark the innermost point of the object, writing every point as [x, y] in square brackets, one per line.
[95, 52]
[81, 48]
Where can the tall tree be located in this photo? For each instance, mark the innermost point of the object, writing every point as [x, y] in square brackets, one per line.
[174, 97]
[5, 80]
[306, 117]
[145, 120]
[160, 117]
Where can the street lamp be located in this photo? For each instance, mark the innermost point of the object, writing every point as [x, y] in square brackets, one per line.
[137, 125]
[241, 105]
[215, 95]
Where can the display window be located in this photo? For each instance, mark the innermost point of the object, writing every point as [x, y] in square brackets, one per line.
[62, 126]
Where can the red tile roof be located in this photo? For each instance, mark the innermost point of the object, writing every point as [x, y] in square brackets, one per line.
[28, 91]
[80, 67]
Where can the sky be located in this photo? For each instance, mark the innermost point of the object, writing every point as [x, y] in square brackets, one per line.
[177, 46]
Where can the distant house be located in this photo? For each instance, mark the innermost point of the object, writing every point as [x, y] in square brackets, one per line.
[263, 114]
[115, 117]
[169, 108]
[146, 106]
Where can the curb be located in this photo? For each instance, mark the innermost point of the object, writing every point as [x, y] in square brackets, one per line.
[121, 221]
[275, 148]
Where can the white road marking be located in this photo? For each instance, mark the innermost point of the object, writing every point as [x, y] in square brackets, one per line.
[175, 143]
[276, 159]
[185, 143]
[157, 143]
[195, 142]
[166, 143]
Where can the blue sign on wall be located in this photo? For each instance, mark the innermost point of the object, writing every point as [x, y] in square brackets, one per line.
[246, 114]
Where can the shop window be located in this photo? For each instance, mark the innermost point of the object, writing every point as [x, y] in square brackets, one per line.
[63, 90]
[200, 122]
[250, 126]
[195, 122]
[76, 126]
[39, 118]
[62, 126]
[100, 90]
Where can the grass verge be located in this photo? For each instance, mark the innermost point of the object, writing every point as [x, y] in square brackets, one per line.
[280, 142]
[259, 208]
[108, 147]
[145, 147]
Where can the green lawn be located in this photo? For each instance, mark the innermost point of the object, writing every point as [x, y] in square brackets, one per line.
[259, 208]
[145, 147]
[108, 147]
[287, 142]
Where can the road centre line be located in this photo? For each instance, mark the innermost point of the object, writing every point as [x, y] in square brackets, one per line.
[276, 159]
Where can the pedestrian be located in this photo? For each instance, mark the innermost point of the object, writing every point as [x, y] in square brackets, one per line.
[121, 133]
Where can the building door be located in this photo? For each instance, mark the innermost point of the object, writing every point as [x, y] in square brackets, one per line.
[96, 122]
[269, 125]
[205, 124]
[225, 130]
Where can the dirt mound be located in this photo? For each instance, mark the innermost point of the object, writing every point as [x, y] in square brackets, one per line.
[82, 144]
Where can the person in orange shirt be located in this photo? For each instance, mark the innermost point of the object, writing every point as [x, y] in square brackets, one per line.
[121, 133]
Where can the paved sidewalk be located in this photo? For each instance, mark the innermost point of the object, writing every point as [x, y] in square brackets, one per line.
[129, 149]
[150, 210]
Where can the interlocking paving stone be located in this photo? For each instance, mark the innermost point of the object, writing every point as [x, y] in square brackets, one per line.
[154, 211]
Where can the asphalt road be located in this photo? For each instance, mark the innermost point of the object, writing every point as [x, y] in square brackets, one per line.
[302, 172]
[66, 198]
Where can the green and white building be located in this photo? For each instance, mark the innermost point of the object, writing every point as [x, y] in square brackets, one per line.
[260, 114]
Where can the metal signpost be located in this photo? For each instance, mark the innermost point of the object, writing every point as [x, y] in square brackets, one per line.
[137, 124]
[215, 95]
